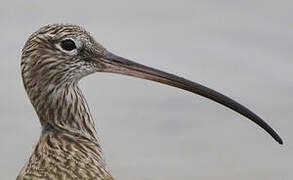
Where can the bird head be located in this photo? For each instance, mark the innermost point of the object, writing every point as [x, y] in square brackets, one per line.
[60, 55]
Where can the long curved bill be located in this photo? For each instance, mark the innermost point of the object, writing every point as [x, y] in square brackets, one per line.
[115, 64]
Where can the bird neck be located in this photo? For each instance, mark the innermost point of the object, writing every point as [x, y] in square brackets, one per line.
[63, 108]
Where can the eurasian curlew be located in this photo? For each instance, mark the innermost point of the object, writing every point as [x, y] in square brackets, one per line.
[54, 59]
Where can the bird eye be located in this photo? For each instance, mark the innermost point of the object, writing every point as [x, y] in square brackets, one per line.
[68, 45]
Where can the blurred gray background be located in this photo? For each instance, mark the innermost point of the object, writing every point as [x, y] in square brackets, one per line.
[149, 131]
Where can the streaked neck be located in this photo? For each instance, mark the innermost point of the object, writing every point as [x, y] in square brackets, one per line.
[64, 108]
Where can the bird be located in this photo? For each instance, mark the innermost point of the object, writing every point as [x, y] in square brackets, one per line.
[53, 60]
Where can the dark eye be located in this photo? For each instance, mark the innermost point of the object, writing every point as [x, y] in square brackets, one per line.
[68, 45]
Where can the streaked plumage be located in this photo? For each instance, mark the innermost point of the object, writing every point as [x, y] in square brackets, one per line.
[68, 147]
[54, 59]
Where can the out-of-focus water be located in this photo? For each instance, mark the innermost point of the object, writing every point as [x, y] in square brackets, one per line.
[150, 131]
